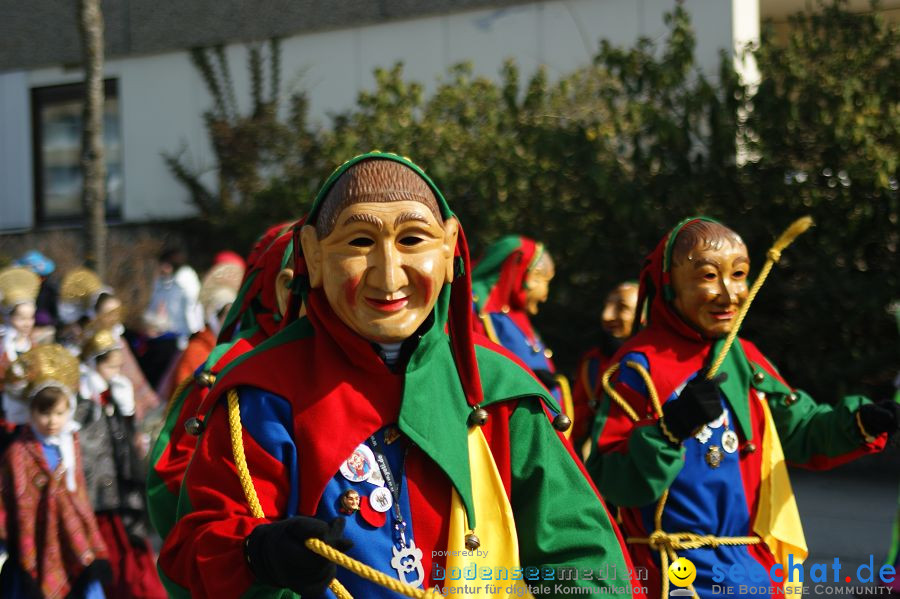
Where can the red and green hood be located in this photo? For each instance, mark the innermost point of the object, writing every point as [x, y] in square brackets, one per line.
[255, 305]
[498, 280]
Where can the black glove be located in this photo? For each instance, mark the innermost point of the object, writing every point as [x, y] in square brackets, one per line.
[278, 557]
[697, 404]
[881, 417]
[546, 377]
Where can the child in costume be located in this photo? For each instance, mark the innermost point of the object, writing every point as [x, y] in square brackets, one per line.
[107, 315]
[18, 291]
[459, 448]
[617, 319]
[703, 476]
[509, 284]
[89, 306]
[113, 470]
[50, 541]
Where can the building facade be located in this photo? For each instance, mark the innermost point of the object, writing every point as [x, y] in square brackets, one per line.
[156, 98]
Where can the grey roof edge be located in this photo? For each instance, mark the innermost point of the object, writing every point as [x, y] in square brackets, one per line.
[44, 33]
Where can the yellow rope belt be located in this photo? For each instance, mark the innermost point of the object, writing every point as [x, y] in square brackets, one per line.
[674, 541]
[666, 543]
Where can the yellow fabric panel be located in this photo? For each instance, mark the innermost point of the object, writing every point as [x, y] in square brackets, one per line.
[777, 517]
[496, 526]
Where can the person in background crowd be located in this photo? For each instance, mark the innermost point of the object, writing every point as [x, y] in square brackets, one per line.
[696, 465]
[108, 312]
[229, 257]
[45, 316]
[171, 317]
[18, 290]
[217, 293]
[509, 284]
[174, 301]
[78, 293]
[49, 538]
[86, 306]
[114, 474]
[617, 321]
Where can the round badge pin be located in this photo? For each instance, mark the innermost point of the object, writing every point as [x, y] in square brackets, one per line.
[360, 465]
[380, 499]
[729, 441]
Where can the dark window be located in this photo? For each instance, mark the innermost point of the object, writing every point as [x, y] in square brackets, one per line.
[56, 119]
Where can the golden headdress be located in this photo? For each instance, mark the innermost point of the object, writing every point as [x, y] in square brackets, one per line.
[99, 343]
[18, 285]
[220, 286]
[47, 366]
[77, 293]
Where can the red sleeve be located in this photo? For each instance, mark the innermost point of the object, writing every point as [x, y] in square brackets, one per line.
[204, 551]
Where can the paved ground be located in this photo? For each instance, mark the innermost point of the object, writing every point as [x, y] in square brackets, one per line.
[849, 512]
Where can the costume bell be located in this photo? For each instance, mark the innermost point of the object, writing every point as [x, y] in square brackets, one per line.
[384, 367]
[697, 466]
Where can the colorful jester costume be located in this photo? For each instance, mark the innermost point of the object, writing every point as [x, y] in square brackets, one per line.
[18, 287]
[47, 525]
[500, 292]
[454, 441]
[252, 319]
[721, 497]
[18, 290]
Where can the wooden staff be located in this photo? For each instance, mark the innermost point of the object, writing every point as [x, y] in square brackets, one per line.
[798, 227]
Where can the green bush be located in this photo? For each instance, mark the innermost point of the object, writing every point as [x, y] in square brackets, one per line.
[599, 164]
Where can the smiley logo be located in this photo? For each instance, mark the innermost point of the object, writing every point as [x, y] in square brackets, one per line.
[682, 572]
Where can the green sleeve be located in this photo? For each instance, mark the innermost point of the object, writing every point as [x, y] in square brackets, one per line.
[811, 431]
[561, 523]
[639, 473]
